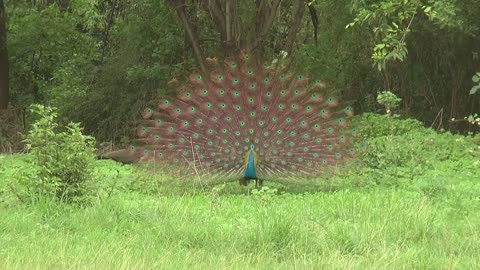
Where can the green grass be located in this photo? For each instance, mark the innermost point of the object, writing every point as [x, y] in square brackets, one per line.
[415, 204]
[430, 223]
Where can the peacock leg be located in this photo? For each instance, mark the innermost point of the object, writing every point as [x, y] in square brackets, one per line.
[243, 181]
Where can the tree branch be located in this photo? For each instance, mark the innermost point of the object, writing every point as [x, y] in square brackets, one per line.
[214, 8]
[228, 18]
[294, 27]
[266, 12]
[258, 17]
[180, 8]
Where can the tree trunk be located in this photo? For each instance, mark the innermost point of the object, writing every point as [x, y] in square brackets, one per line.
[226, 17]
[4, 93]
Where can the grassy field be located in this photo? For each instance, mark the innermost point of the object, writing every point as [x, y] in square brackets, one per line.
[432, 222]
[414, 204]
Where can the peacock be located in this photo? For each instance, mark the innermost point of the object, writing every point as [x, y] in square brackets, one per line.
[246, 120]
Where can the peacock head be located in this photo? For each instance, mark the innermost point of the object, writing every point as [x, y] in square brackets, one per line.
[252, 147]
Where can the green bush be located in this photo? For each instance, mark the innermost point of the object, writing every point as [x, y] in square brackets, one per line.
[62, 161]
[402, 149]
[388, 100]
[377, 125]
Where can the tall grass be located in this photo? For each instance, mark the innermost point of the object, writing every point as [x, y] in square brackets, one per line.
[415, 205]
[376, 228]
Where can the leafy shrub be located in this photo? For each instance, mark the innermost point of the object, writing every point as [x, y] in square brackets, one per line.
[376, 125]
[389, 100]
[62, 161]
[397, 148]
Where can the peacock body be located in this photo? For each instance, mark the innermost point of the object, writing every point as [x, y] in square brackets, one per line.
[245, 120]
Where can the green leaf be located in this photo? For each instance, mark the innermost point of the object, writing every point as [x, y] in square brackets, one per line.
[474, 89]
[476, 77]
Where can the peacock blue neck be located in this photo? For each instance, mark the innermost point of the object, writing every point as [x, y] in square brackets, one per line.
[250, 168]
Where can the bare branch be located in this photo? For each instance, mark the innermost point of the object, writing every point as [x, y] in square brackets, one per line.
[228, 17]
[239, 42]
[259, 16]
[265, 15]
[295, 26]
[180, 8]
[264, 20]
[214, 8]
[314, 18]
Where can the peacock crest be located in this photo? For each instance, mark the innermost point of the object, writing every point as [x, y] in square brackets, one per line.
[246, 120]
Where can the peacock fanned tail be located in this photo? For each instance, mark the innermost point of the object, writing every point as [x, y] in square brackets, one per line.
[286, 121]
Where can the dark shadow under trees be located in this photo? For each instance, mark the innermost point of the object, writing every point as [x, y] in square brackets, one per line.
[4, 69]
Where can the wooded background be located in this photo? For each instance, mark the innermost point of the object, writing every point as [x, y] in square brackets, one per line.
[100, 62]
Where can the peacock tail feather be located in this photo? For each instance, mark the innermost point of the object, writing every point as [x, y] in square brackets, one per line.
[243, 110]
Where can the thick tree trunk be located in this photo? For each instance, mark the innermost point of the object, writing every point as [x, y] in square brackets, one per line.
[4, 93]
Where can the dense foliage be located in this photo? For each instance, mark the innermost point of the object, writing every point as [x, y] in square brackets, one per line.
[100, 62]
[403, 149]
[393, 151]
